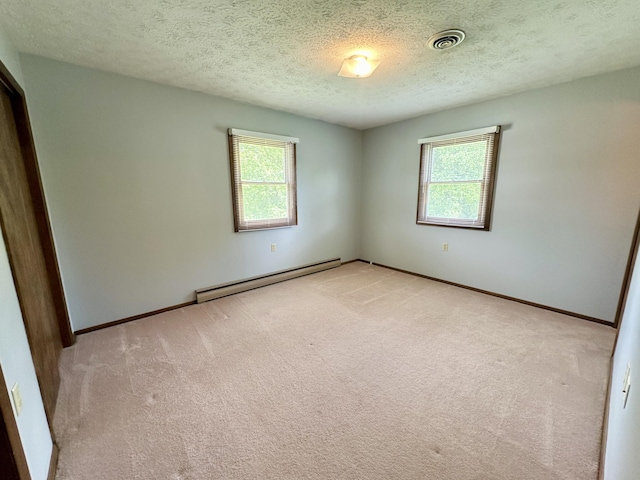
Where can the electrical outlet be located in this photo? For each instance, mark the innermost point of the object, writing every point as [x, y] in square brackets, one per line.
[273, 247]
[445, 247]
[17, 398]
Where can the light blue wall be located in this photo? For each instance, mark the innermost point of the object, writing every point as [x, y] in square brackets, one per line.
[565, 202]
[9, 56]
[623, 436]
[136, 176]
[137, 181]
[15, 355]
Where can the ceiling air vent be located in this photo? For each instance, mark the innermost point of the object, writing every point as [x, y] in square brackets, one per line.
[446, 39]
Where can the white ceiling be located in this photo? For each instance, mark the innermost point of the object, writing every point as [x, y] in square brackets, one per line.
[285, 54]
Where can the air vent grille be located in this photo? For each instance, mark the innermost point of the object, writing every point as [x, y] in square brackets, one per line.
[446, 39]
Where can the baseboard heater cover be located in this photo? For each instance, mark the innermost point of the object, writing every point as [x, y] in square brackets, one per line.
[224, 289]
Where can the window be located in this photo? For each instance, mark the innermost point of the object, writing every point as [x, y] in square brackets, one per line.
[457, 173]
[263, 171]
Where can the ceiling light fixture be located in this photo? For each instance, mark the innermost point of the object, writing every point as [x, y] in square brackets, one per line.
[358, 66]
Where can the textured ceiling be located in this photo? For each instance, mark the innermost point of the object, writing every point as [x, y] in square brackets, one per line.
[285, 54]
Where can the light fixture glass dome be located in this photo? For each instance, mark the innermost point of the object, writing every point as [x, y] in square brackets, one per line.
[358, 66]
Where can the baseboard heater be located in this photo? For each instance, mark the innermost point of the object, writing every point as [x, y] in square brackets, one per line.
[224, 289]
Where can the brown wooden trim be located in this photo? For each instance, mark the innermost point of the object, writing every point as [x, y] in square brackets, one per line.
[234, 190]
[480, 229]
[605, 424]
[53, 464]
[6, 410]
[626, 282]
[135, 317]
[25, 136]
[155, 312]
[44, 222]
[351, 261]
[294, 180]
[492, 179]
[9, 81]
[420, 175]
[499, 295]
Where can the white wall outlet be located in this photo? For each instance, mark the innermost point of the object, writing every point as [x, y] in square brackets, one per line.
[626, 385]
[273, 247]
[17, 398]
[445, 247]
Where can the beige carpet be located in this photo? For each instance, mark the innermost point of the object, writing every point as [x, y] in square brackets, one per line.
[358, 372]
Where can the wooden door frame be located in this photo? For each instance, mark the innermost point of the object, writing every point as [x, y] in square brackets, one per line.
[21, 469]
[9, 433]
[27, 148]
[626, 282]
[36, 191]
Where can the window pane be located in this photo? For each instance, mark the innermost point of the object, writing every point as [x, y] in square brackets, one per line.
[464, 161]
[454, 200]
[261, 163]
[264, 202]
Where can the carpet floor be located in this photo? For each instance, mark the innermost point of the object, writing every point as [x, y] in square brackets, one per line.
[358, 372]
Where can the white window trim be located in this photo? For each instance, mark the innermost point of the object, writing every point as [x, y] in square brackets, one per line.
[269, 136]
[468, 133]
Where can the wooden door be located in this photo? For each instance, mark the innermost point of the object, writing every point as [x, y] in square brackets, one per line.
[26, 257]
